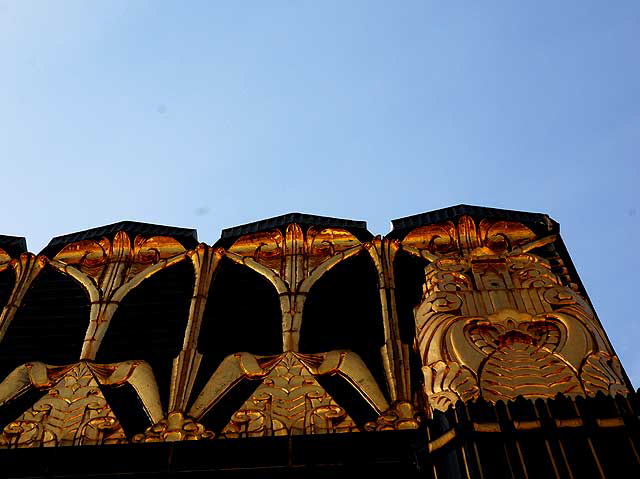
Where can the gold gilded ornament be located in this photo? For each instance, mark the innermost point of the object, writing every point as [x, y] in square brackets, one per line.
[74, 411]
[402, 415]
[176, 427]
[289, 399]
[495, 320]
[26, 268]
[395, 353]
[293, 262]
[109, 270]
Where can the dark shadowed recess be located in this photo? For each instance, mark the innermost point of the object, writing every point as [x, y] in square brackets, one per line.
[242, 314]
[149, 324]
[48, 327]
[14, 246]
[7, 280]
[409, 279]
[50, 324]
[17, 406]
[343, 311]
[123, 401]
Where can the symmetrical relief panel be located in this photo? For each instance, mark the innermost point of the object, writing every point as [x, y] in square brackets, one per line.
[73, 409]
[108, 270]
[496, 320]
[289, 399]
[293, 261]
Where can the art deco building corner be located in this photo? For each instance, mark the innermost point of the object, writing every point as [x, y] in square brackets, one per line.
[461, 344]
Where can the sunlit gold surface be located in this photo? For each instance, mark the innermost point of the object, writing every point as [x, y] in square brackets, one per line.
[73, 410]
[109, 270]
[185, 367]
[395, 353]
[293, 262]
[289, 399]
[176, 427]
[26, 268]
[402, 415]
[495, 321]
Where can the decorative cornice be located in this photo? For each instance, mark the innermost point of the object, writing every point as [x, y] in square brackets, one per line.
[357, 228]
[186, 236]
[539, 222]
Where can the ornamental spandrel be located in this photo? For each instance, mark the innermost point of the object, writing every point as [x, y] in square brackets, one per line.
[297, 325]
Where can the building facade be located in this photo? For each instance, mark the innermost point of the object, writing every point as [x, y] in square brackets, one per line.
[462, 344]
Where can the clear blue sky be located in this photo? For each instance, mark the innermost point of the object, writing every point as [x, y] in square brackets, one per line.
[211, 114]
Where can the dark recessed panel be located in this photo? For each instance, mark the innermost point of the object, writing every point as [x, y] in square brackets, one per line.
[220, 414]
[127, 407]
[343, 311]
[150, 322]
[13, 245]
[242, 314]
[349, 399]
[7, 281]
[17, 406]
[409, 279]
[50, 324]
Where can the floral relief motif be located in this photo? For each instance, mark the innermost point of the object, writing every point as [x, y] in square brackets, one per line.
[72, 412]
[176, 427]
[496, 321]
[288, 401]
[108, 270]
[402, 415]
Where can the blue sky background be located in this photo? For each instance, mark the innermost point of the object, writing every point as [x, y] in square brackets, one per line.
[208, 115]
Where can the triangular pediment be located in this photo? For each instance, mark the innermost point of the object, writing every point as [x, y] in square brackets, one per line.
[72, 412]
